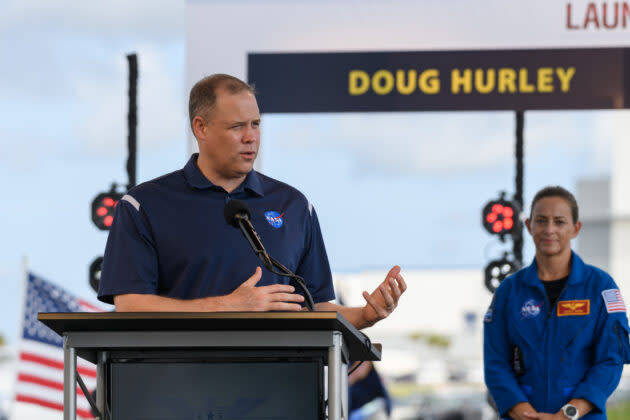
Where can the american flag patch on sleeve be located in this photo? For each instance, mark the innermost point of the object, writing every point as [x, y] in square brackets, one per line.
[614, 301]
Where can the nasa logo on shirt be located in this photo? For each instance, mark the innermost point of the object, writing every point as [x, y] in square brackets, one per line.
[531, 309]
[274, 218]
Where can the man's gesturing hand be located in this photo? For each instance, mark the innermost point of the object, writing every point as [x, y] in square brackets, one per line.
[249, 298]
[384, 299]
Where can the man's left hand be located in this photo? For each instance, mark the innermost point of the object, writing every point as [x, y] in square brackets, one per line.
[384, 299]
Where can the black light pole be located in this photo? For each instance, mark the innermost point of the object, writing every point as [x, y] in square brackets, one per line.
[104, 203]
[132, 119]
[517, 238]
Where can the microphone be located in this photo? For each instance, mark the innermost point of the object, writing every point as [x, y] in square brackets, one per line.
[237, 214]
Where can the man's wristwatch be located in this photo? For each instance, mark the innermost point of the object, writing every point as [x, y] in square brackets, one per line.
[571, 412]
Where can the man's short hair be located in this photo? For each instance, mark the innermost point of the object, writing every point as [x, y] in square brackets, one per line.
[203, 96]
[557, 191]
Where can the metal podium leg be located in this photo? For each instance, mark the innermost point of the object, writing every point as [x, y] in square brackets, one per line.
[335, 395]
[69, 381]
[101, 359]
[345, 410]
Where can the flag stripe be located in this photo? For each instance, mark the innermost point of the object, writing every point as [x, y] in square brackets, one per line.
[44, 382]
[49, 404]
[50, 352]
[48, 394]
[40, 381]
[50, 374]
[88, 307]
[29, 357]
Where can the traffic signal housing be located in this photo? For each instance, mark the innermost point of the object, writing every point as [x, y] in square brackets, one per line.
[103, 207]
[501, 217]
[95, 273]
[497, 270]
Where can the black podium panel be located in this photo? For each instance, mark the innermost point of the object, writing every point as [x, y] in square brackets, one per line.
[217, 391]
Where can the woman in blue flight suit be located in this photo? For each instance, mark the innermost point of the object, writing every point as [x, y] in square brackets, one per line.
[556, 332]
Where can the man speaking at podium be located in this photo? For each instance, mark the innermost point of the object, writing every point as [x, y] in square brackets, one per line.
[170, 248]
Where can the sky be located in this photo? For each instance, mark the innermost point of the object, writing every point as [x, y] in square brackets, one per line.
[63, 127]
[403, 188]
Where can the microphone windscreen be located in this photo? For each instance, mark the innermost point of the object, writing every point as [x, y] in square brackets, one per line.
[234, 207]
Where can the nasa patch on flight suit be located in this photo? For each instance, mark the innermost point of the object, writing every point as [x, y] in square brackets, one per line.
[574, 307]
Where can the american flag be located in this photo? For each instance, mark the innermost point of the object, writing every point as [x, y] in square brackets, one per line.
[40, 364]
[614, 301]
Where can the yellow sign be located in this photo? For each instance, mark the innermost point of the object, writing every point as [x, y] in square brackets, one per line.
[502, 80]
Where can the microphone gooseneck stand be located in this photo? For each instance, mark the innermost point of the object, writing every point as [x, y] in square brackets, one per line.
[299, 281]
[237, 214]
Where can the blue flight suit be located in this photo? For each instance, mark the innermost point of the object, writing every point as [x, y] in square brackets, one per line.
[576, 349]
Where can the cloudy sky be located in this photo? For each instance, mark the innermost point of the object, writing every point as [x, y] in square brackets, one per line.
[402, 188]
[63, 127]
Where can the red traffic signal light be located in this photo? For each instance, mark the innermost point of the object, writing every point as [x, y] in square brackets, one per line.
[501, 217]
[103, 209]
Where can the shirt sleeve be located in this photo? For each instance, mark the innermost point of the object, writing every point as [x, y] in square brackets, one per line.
[497, 354]
[130, 260]
[611, 352]
[314, 267]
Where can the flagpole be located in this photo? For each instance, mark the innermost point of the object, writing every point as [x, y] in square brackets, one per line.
[18, 341]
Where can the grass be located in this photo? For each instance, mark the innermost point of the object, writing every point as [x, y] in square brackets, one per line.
[619, 411]
[405, 389]
[431, 339]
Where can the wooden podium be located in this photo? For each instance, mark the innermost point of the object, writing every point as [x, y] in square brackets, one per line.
[212, 366]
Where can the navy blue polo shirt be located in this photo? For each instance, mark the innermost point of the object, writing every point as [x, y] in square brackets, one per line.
[169, 238]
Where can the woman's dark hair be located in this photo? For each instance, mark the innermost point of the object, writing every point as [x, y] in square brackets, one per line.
[557, 191]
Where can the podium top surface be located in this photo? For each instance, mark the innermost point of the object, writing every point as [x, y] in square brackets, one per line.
[69, 322]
